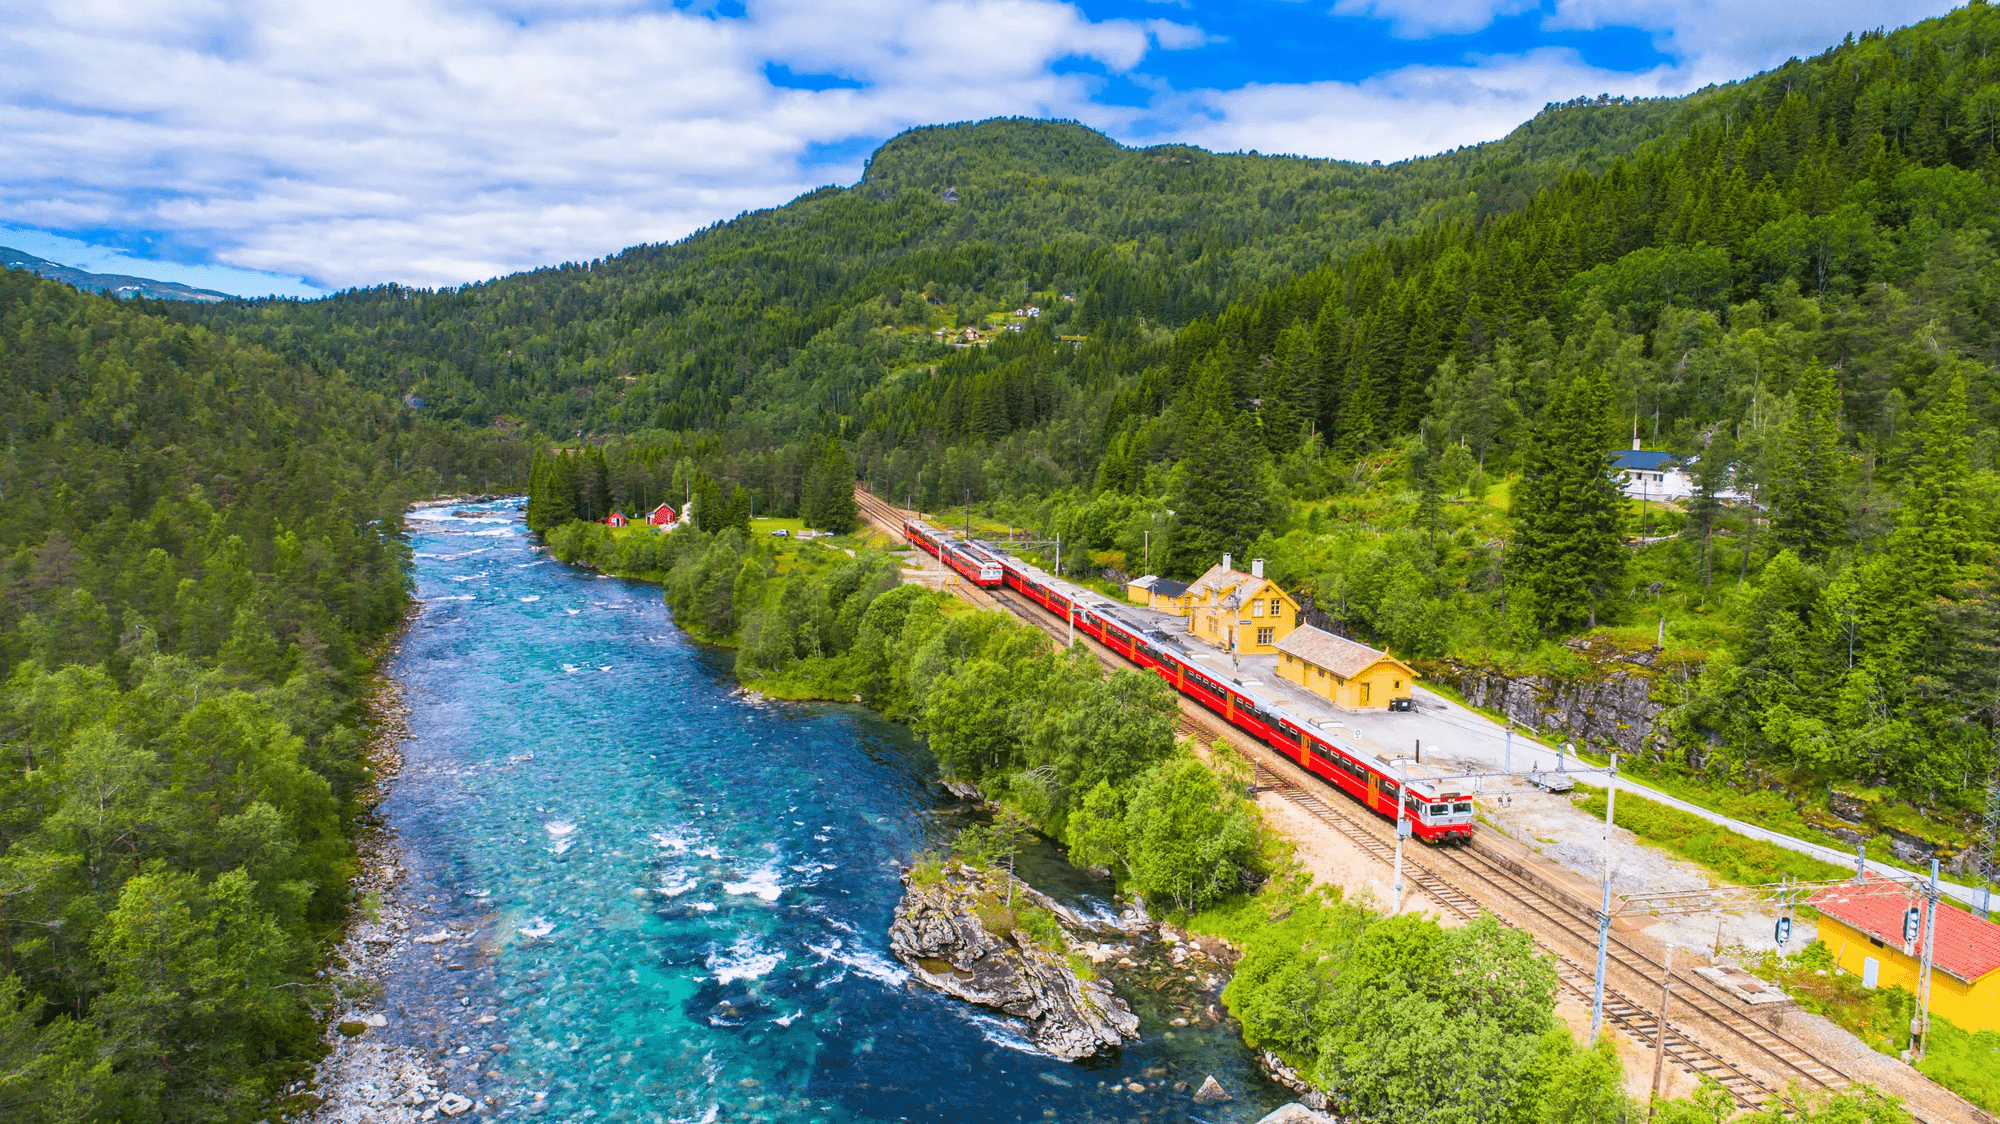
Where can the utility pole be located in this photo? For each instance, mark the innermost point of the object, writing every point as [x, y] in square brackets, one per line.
[1660, 1033]
[1920, 1025]
[1604, 913]
[1402, 833]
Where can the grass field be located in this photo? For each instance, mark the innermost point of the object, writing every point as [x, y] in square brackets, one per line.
[1728, 855]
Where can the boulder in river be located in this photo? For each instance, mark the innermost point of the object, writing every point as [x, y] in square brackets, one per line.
[1212, 1092]
[945, 932]
[1295, 1113]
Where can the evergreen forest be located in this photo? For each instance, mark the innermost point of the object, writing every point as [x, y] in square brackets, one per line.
[202, 554]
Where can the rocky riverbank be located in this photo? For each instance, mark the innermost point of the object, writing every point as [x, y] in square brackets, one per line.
[364, 1079]
[957, 932]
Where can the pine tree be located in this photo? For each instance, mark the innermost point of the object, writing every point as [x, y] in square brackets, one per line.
[1806, 510]
[1219, 500]
[1933, 540]
[826, 495]
[1711, 478]
[1567, 550]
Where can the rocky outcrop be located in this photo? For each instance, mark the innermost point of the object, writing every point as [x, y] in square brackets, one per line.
[1609, 702]
[939, 932]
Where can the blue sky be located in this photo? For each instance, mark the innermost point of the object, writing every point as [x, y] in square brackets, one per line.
[298, 148]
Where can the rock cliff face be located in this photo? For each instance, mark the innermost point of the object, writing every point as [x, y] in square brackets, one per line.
[1609, 704]
[939, 933]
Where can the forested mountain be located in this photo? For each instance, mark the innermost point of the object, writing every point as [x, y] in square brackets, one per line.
[199, 547]
[786, 317]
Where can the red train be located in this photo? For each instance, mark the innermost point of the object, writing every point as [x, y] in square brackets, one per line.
[979, 565]
[1439, 811]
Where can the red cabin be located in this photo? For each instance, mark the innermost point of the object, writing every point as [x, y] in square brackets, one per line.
[616, 519]
[661, 516]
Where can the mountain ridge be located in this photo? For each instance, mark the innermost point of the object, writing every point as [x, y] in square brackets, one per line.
[121, 285]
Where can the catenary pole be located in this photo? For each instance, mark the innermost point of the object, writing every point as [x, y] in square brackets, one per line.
[1920, 1025]
[1604, 914]
[1660, 1033]
[1402, 832]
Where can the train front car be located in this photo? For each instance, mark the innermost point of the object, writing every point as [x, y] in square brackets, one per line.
[1440, 811]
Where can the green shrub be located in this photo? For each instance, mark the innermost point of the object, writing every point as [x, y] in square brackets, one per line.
[1965, 1062]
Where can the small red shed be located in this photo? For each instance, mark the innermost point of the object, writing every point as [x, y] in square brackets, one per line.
[662, 516]
[615, 519]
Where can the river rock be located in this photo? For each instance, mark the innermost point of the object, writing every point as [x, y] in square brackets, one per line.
[453, 1104]
[938, 934]
[1291, 1079]
[1212, 1092]
[1295, 1113]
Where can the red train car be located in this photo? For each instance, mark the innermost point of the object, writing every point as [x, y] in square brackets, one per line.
[978, 566]
[1438, 813]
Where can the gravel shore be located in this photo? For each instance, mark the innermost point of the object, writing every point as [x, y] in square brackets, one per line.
[363, 1079]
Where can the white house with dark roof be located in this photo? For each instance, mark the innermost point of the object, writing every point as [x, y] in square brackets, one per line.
[1648, 474]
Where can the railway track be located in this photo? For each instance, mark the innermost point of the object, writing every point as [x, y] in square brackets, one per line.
[1695, 1004]
[1621, 1010]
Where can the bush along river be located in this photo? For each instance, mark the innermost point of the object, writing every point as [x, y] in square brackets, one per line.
[612, 886]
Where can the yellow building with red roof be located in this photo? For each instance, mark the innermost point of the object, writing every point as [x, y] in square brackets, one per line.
[1864, 930]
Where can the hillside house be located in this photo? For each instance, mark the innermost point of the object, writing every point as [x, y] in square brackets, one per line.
[1244, 614]
[1651, 475]
[616, 519]
[661, 516]
[1345, 672]
[1158, 593]
[1865, 935]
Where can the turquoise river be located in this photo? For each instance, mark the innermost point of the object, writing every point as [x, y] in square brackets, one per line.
[682, 893]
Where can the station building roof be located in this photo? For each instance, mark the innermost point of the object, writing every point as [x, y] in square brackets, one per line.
[1967, 947]
[1345, 658]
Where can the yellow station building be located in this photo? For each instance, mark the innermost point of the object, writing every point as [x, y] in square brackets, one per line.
[1345, 672]
[1242, 613]
[1864, 931]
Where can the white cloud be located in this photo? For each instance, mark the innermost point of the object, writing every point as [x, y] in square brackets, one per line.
[1420, 19]
[436, 142]
[1721, 40]
[1411, 111]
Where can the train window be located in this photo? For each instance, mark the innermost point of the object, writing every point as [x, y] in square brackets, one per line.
[1462, 808]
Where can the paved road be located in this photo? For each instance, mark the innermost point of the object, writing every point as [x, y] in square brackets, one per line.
[1470, 740]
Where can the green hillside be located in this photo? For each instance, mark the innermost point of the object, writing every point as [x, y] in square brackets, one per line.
[771, 315]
